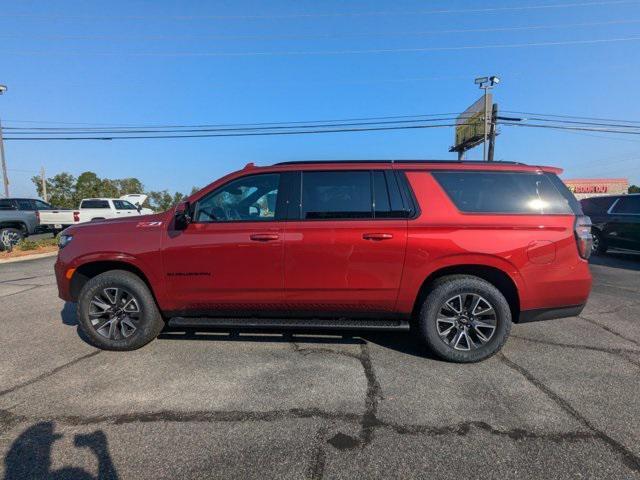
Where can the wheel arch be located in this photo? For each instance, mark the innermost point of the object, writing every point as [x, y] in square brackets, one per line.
[91, 269]
[496, 276]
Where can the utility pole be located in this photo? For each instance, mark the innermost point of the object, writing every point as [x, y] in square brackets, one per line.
[43, 179]
[3, 162]
[492, 132]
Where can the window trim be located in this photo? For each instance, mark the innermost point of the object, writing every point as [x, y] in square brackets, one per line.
[278, 216]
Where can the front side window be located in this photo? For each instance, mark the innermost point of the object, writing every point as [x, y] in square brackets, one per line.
[503, 192]
[335, 195]
[40, 205]
[24, 205]
[123, 205]
[247, 199]
[627, 206]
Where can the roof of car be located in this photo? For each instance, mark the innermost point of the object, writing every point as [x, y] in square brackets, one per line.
[617, 195]
[416, 164]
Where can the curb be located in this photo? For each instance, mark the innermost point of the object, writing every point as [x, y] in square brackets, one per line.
[35, 256]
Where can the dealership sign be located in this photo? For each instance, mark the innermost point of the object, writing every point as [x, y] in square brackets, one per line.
[589, 188]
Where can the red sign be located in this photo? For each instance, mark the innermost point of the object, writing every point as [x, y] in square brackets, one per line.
[589, 188]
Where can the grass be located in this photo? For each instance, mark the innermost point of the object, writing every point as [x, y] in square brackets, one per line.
[28, 246]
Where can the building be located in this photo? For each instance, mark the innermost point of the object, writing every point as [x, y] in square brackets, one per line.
[597, 187]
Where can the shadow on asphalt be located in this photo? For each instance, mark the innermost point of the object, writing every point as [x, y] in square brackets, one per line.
[617, 259]
[30, 455]
[404, 342]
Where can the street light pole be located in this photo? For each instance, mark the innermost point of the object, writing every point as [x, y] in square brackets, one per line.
[3, 163]
[486, 83]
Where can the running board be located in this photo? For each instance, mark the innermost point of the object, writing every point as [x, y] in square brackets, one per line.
[289, 323]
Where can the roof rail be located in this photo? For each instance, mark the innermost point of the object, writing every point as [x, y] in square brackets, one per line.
[464, 162]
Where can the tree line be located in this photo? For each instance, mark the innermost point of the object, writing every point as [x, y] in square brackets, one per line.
[65, 190]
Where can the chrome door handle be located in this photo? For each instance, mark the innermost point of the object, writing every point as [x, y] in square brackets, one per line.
[377, 236]
[264, 237]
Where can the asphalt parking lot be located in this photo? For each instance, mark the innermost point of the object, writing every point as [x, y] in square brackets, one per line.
[560, 401]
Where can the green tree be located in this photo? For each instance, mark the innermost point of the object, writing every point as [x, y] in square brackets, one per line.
[634, 189]
[88, 185]
[61, 190]
[129, 185]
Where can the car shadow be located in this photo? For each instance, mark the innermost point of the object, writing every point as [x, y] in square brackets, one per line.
[617, 259]
[30, 455]
[404, 342]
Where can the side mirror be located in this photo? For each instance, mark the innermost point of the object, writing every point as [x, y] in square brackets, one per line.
[182, 217]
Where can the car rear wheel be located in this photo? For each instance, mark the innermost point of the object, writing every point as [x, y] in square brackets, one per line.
[464, 319]
[9, 237]
[117, 311]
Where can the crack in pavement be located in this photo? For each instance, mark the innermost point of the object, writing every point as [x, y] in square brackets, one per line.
[620, 352]
[49, 373]
[608, 329]
[628, 457]
[319, 455]
[26, 278]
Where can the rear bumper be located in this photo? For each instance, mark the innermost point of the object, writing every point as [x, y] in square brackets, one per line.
[538, 314]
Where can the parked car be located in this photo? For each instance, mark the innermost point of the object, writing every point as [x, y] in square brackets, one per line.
[616, 221]
[458, 250]
[19, 218]
[95, 209]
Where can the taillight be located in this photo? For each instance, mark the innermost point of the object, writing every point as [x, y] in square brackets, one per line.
[76, 216]
[38, 216]
[584, 240]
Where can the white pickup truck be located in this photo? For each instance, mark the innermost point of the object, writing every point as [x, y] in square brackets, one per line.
[95, 209]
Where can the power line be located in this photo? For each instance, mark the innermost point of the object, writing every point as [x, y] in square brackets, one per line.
[330, 52]
[322, 15]
[564, 127]
[351, 119]
[245, 134]
[321, 35]
[572, 116]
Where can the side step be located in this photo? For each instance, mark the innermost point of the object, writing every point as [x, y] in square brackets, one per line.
[289, 323]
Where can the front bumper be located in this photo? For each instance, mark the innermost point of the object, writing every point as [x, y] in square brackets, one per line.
[64, 285]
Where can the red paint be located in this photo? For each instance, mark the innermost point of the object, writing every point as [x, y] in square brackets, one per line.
[337, 265]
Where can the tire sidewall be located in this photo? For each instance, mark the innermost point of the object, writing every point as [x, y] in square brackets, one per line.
[444, 291]
[150, 322]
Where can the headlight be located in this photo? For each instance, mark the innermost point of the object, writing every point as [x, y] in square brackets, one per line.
[63, 240]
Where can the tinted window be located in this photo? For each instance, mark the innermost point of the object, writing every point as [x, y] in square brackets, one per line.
[24, 204]
[123, 205]
[328, 195]
[251, 198]
[94, 204]
[386, 194]
[597, 205]
[6, 205]
[628, 205]
[40, 205]
[498, 192]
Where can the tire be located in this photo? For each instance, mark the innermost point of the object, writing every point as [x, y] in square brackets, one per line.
[599, 245]
[477, 340]
[107, 315]
[9, 237]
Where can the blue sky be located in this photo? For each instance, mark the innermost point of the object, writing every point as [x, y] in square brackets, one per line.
[133, 62]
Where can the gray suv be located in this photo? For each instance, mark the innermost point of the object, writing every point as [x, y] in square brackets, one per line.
[19, 218]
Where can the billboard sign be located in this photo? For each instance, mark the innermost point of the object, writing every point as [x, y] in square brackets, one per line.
[470, 125]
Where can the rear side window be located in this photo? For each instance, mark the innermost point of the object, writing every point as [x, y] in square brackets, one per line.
[94, 204]
[627, 206]
[504, 192]
[6, 205]
[340, 194]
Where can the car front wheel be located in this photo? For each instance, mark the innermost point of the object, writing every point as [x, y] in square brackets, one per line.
[464, 319]
[117, 311]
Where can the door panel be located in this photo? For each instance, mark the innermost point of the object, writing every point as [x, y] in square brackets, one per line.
[219, 269]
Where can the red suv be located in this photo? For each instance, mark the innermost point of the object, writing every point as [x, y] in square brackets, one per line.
[458, 250]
